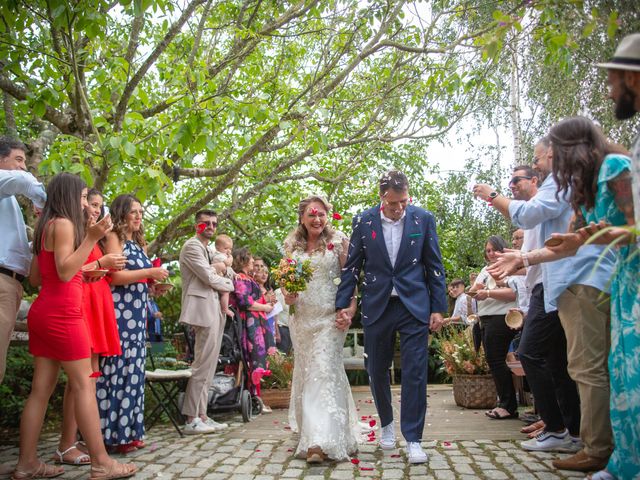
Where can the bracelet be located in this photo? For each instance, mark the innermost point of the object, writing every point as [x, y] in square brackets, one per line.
[98, 262]
[488, 293]
[525, 260]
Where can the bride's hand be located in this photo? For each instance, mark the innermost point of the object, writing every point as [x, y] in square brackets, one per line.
[290, 298]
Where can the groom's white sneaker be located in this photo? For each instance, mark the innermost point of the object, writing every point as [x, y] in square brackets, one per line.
[388, 437]
[415, 454]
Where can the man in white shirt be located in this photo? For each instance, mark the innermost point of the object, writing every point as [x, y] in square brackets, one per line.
[15, 255]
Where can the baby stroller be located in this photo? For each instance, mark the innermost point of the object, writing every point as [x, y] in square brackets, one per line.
[231, 386]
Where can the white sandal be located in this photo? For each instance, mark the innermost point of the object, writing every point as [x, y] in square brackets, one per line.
[83, 459]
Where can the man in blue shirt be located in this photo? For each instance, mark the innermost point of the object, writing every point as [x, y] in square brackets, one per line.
[15, 255]
[543, 350]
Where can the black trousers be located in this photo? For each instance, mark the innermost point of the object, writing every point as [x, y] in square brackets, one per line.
[496, 338]
[543, 354]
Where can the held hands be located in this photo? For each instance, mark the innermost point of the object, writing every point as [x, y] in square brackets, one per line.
[343, 319]
[97, 230]
[113, 261]
[482, 295]
[436, 321]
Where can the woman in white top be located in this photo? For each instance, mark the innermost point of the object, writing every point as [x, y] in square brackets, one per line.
[494, 301]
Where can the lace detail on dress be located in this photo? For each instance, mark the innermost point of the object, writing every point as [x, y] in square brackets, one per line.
[322, 407]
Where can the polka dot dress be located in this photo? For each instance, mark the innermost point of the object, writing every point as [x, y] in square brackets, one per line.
[120, 390]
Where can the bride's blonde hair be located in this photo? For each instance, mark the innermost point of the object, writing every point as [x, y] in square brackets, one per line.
[297, 239]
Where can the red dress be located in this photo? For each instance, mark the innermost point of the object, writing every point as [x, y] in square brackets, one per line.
[57, 328]
[97, 307]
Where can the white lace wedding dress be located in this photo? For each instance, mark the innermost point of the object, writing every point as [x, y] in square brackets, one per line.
[322, 409]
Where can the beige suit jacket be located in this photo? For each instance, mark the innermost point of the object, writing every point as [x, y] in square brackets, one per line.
[200, 286]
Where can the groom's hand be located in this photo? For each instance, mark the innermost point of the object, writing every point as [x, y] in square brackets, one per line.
[436, 321]
[343, 319]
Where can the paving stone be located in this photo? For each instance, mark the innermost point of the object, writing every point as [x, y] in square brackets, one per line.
[463, 468]
[445, 475]
[494, 474]
[292, 473]
[393, 474]
[194, 472]
[342, 474]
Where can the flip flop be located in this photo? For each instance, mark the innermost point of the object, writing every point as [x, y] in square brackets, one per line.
[496, 416]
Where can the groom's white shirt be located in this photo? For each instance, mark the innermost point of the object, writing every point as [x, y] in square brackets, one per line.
[392, 231]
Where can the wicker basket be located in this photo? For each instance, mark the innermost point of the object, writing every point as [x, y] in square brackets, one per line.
[276, 397]
[474, 391]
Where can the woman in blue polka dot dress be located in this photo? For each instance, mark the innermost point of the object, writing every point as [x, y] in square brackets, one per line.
[120, 390]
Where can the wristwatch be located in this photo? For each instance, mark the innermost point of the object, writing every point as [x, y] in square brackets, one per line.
[493, 195]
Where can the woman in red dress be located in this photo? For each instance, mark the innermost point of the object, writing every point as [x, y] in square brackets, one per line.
[58, 334]
[99, 313]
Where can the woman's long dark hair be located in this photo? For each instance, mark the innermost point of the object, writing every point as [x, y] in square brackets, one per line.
[579, 147]
[119, 210]
[64, 200]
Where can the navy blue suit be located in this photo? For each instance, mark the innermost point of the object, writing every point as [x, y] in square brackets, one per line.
[418, 277]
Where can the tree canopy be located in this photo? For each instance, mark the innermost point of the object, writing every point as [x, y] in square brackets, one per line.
[247, 105]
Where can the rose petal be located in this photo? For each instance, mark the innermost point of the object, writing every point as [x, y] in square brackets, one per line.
[355, 461]
[395, 455]
[372, 423]
[374, 234]
[366, 468]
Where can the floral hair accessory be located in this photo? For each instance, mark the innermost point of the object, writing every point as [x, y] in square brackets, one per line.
[313, 211]
[336, 216]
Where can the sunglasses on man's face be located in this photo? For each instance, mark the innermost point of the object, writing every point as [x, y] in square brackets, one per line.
[210, 223]
[515, 180]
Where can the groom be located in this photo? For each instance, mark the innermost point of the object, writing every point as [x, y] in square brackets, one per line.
[403, 291]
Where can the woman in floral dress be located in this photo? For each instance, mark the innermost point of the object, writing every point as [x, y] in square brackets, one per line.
[257, 340]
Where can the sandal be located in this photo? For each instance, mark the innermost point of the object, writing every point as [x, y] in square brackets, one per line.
[315, 455]
[493, 414]
[533, 427]
[43, 471]
[113, 471]
[82, 459]
[138, 444]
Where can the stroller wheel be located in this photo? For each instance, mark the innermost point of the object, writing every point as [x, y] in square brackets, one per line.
[257, 404]
[246, 407]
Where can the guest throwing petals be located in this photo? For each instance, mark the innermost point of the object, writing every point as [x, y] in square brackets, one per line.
[57, 330]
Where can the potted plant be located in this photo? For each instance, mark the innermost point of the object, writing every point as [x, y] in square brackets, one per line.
[473, 386]
[276, 388]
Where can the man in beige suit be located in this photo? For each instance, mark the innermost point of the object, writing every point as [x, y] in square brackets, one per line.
[201, 310]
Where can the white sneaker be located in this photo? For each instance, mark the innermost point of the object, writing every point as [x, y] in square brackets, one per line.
[574, 447]
[388, 437]
[212, 423]
[549, 442]
[415, 454]
[197, 427]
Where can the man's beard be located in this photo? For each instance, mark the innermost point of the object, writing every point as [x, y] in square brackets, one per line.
[625, 106]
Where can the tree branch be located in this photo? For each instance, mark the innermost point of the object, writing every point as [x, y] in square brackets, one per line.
[63, 122]
[121, 108]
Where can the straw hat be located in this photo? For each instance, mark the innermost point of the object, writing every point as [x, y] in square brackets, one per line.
[627, 55]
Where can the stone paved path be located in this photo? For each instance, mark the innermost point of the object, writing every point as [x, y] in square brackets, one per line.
[462, 444]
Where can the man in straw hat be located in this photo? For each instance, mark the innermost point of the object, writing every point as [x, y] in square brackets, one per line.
[623, 76]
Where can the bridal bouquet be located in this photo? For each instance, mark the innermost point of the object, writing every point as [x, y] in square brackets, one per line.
[292, 275]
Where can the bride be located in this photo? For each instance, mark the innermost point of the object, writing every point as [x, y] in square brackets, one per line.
[322, 410]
